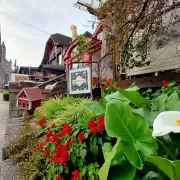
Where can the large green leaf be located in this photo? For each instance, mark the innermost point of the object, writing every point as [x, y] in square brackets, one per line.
[159, 102]
[152, 176]
[111, 155]
[123, 171]
[134, 97]
[147, 115]
[97, 108]
[116, 95]
[133, 130]
[173, 102]
[169, 168]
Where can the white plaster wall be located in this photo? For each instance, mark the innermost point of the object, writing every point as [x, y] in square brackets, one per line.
[165, 58]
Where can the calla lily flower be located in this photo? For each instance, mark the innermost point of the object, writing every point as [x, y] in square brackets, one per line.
[166, 122]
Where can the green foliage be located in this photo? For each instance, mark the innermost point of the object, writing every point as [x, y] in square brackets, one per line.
[170, 168]
[6, 95]
[133, 130]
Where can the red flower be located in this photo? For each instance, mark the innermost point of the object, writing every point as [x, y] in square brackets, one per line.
[49, 133]
[46, 152]
[48, 139]
[127, 85]
[42, 121]
[55, 138]
[81, 137]
[101, 122]
[66, 130]
[91, 123]
[58, 177]
[93, 130]
[63, 158]
[53, 125]
[40, 147]
[104, 89]
[108, 83]
[165, 84]
[76, 175]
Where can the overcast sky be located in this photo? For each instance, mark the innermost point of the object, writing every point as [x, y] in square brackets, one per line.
[53, 16]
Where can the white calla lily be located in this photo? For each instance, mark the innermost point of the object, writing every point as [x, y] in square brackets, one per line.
[166, 122]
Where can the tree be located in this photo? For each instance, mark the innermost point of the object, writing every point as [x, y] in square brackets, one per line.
[132, 26]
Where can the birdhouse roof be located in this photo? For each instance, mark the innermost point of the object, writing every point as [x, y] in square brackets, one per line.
[32, 94]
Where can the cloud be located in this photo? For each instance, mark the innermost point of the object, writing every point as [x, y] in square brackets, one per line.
[27, 44]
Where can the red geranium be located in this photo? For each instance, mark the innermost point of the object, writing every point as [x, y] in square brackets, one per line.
[81, 137]
[127, 85]
[42, 121]
[76, 175]
[48, 139]
[93, 130]
[55, 138]
[108, 83]
[104, 89]
[66, 130]
[53, 125]
[165, 84]
[96, 126]
[49, 133]
[58, 177]
[91, 123]
[46, 152]
[40, 147]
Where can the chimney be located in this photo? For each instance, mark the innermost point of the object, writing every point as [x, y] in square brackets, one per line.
[74, 32]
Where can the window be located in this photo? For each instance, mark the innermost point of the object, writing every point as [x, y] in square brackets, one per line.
[23, 105]
[25, 95]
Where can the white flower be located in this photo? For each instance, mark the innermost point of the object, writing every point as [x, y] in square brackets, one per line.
[166, 122]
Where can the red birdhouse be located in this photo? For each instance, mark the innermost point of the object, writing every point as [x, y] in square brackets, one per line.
[29, 98]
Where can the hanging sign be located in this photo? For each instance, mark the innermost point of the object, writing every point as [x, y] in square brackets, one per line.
[79, 81]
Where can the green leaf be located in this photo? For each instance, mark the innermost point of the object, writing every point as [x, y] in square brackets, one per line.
[109, 156]
[97, 108]
[83, 153]
[124, 171]
[133, 129]
[116, 95]
[73, 158]
[106, 147]
[94, 149]
[147, 115]
[159, 102]
[152, 176]
[169, 168]
[134, 97]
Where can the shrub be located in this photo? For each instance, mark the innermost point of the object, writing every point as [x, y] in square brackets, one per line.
[6, 95]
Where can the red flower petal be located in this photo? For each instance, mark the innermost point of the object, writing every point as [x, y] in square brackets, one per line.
[46, 152]
[58, 177]
[165, 84]
[127, 85]
[91, 123]
[81, 137]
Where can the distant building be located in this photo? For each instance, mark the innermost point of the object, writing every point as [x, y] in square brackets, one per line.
[5, 66]
[52, 62]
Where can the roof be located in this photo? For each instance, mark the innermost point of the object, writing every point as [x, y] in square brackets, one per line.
[87, 34]
[54, 67]
[27, 67]
[33, 93]
[61, 39]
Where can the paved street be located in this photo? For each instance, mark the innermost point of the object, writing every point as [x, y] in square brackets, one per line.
[4, 114]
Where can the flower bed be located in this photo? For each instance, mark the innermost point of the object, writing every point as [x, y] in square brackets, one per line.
[128, 135]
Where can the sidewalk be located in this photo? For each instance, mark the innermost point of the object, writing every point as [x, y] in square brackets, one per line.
[4, 115]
